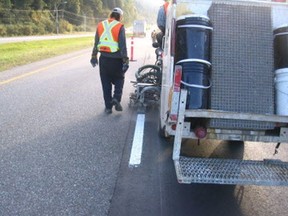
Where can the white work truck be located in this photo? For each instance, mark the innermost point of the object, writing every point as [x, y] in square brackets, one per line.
[139, 28]
[224, 77]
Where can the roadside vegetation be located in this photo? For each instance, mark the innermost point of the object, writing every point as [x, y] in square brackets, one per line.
[50, 17]
[42, 17]
[20, 53]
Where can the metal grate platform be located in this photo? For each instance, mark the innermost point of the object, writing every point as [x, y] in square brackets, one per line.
[231, 171]
[242, 62]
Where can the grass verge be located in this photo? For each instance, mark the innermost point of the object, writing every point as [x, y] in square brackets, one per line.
[20, 53]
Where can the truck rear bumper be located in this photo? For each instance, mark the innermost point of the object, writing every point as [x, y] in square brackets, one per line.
[227, 171]
[278, 134]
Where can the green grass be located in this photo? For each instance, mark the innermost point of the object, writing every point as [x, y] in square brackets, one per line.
[20, 53]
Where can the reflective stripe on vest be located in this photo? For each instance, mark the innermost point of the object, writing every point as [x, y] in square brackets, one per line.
[107, 41]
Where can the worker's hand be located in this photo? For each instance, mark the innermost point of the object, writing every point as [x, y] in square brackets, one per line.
[125, 60]
[125, 67]
[94, 61]
[125, 64]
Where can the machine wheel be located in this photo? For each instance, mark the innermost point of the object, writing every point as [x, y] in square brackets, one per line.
[149, 74]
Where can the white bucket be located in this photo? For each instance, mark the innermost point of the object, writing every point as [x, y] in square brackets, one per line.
[281, 85]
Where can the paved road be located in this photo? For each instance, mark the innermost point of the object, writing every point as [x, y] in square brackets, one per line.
[152, 188]
[61, 155]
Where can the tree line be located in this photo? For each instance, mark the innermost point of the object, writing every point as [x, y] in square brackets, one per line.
[38, 17]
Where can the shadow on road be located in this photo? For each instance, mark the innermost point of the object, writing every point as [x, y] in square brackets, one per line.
[200, 199]
[213, 149]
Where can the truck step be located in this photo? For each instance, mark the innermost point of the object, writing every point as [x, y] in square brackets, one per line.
[231, 171]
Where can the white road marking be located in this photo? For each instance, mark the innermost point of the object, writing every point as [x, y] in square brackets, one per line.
[136, 151]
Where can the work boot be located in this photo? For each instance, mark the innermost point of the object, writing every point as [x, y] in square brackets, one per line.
[117, 105]
[108, 111]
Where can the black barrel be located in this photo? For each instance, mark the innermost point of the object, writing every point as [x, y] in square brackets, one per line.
[281, 47]
[196, 78]
[193, 39]
[193, 36]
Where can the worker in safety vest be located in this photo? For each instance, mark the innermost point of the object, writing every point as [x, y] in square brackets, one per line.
[161, 21]
[110, 41]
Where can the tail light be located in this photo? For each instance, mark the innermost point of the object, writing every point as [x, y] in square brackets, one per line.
[176, 93]
[200, 132]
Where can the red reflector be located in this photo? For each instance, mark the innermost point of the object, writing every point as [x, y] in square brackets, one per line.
[176, 93]
[177, 78]
[200, 132]
[173, 127]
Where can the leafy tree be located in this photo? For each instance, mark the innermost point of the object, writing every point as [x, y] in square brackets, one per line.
[5, 4]
[130, 13]
[5, 7]
[23, 4]
[119, 3]
[38, 4]
[28, 15]
[73, 6]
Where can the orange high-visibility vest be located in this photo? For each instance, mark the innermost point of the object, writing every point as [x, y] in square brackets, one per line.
[108, 32]
[166, 4]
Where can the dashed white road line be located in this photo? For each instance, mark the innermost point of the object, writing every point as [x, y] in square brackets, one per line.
[136, 151]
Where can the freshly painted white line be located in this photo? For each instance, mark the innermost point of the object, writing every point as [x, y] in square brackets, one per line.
[136, 151]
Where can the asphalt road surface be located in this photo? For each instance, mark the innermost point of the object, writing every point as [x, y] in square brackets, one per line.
[60, 154]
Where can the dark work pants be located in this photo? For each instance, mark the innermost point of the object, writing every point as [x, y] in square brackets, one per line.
[111, 74]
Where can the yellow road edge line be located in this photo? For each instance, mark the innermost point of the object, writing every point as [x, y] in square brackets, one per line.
[36, 71]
